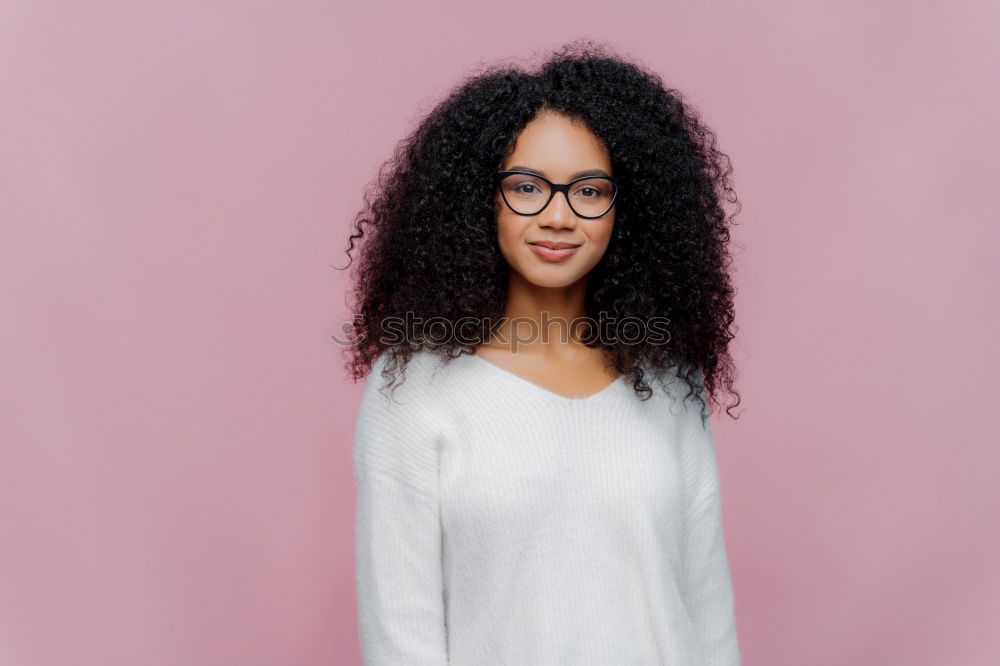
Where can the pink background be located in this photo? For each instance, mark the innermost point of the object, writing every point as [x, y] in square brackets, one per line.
[176, 180]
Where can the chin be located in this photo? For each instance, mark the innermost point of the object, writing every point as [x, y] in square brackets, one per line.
[556, 278]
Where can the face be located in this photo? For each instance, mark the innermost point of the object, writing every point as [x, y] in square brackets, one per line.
[556, 147]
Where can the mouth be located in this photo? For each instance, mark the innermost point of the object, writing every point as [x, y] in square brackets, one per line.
[553, 251]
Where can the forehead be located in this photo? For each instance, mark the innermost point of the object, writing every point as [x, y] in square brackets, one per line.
[558, 147]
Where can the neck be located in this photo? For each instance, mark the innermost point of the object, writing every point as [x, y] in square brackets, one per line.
[538, 317]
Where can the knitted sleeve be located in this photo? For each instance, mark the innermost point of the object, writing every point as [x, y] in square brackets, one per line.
[397, 527]
[706, 584]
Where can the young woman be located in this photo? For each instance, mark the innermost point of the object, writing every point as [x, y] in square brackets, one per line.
[543, 244]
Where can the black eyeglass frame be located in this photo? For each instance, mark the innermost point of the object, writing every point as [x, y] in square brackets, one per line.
[555, 189]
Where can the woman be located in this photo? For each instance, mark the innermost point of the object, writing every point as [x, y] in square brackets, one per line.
[543, 244]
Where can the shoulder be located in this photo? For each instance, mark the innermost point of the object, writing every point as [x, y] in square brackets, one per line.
[398, 428]
[696, 440]
[669, 384]
[410, 380]
[401, 393]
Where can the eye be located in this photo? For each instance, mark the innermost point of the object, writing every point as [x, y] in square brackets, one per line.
[590, 189]
[518, 188]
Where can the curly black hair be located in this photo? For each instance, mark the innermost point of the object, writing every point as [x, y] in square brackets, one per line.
[431, 247]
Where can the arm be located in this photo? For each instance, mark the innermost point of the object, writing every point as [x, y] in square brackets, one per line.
[707, 587]
[397, 530]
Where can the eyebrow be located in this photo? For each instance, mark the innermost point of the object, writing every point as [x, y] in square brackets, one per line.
[578, 174]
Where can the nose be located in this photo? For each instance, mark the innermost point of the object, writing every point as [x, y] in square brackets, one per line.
[558, 214]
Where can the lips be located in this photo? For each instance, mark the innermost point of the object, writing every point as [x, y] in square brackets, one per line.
[554, 245]
[553, 251]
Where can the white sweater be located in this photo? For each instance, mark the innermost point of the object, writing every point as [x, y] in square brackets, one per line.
[500, 523]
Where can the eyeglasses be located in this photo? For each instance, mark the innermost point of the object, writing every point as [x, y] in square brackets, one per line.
[527, 193]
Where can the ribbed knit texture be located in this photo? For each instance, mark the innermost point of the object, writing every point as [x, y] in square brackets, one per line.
[499, 523]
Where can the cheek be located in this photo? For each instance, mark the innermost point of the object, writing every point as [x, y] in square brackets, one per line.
[509, 232]
[601, 237]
